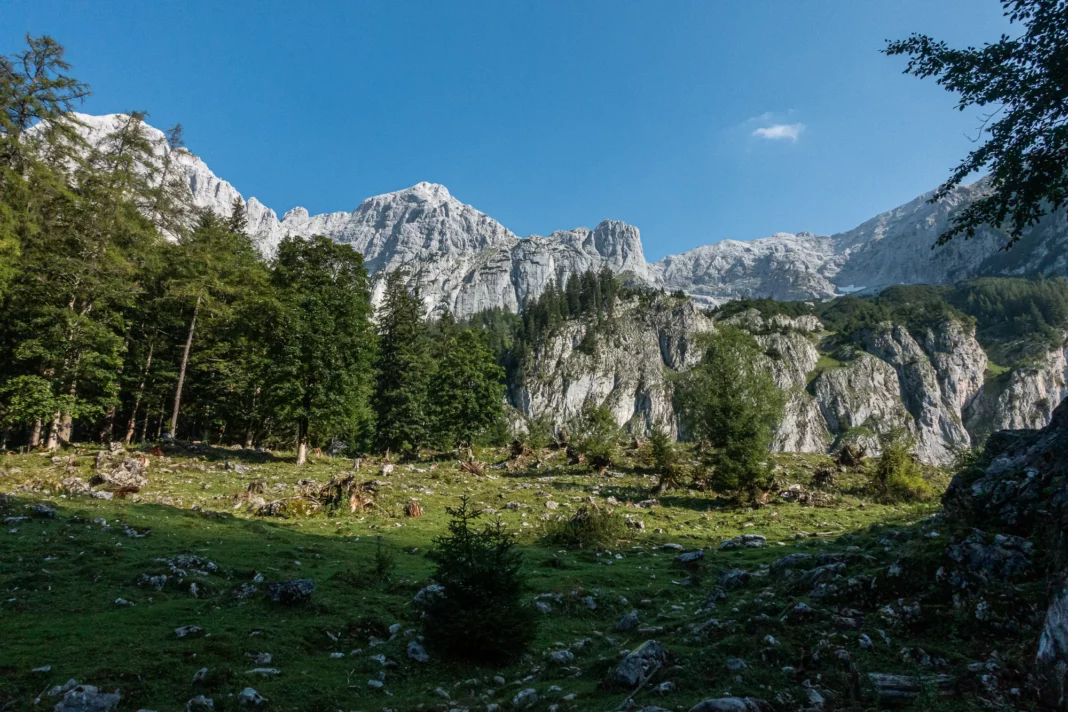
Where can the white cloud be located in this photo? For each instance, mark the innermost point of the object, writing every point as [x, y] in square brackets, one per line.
[778, 132]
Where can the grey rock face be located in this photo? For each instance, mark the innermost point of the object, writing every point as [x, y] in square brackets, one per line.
[935, 382]
[1022, 399]
[625, 371]
[865, 391]
[1023, 490]
[931, 387]
[465, 260]
[640, 663]
[1052, 656]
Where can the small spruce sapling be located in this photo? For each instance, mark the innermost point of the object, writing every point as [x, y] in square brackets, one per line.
[481, 615]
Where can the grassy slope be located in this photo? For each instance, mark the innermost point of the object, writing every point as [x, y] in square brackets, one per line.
[60, 579]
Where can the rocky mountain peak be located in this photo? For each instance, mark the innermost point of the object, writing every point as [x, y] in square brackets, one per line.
[620, 244]
[297, 213]
[434, 193]
[468, 261]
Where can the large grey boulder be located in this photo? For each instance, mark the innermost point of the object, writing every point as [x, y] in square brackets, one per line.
[640, 663]
[115, 471]
[86, 698]
[294, 591]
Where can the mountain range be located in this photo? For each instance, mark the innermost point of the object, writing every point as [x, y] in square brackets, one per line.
[464, 260]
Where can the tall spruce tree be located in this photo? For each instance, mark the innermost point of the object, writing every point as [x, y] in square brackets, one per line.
[321, 341]
[731, 400]
[77, 279]
[467, 399]
[222, 370]
[403, 370]
[38, 142]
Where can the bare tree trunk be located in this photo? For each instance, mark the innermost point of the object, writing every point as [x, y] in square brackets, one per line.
[181, 371]
[53, 433]
[302, 443]
[140, 394]
[7, 436]
[66, 428]
[35, 434]
[66, 420]
[251, 419]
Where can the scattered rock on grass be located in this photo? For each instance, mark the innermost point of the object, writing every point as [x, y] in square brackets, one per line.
[745, 541]
[628, 622]
[640, 663]
[525, 698]
[735, 578]
[86, 698]
[250, 698]
[428, 594]
[561, 657]
[417, 652]
[199, 704]
[294, 591]
[43, 510]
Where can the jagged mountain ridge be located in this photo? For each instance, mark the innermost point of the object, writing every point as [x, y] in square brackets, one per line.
[466, 261]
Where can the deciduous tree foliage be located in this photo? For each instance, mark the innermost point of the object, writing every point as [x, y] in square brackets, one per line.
[1020, 83]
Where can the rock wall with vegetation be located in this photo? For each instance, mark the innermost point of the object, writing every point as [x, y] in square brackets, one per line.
[947, 366]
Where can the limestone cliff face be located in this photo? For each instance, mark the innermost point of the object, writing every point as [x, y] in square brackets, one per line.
[1021, 399]
[932, 386]
[791, 355]
[936, 380]
[624, 368]
[863, 394]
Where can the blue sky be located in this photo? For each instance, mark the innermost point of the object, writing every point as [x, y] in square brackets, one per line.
[695, 121]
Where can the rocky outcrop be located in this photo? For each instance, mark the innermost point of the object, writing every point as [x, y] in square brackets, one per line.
[792, 355]
[861, 394]
[620, 364]
[1023, 491]
[923, 385]
[936, 381]
[1022, 398]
